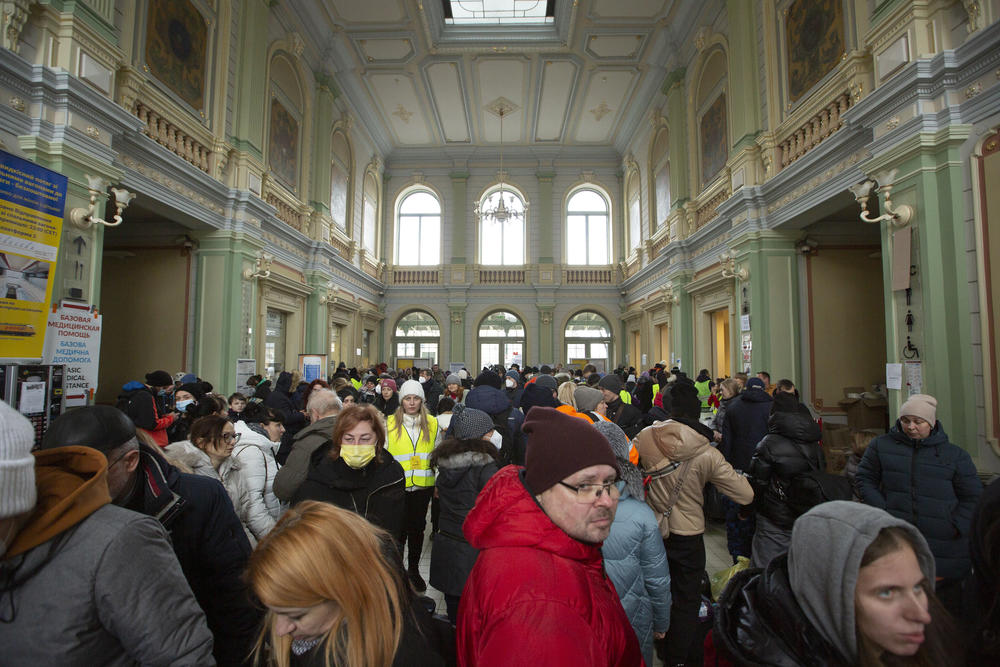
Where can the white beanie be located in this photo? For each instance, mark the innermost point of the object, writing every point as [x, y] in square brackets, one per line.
[411, 388]
[920, 405]
[17, 465]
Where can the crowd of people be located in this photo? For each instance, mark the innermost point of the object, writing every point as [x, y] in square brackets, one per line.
[284, 524]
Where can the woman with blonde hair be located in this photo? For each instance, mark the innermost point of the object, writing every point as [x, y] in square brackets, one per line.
[411, 435]
[335, 595]
[566, 393]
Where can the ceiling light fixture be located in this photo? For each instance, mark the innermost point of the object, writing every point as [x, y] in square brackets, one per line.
[511, 209]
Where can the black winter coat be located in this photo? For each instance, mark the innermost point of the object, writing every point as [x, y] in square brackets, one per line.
[211, 546]
[759, 622]
[745, 425]
[281, 400]
[460, 478]
[780, 456]
[627, 416]
[432, 394]
[375, 491]
[931, 483]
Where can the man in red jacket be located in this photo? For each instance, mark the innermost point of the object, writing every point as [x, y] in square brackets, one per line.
[538, 594]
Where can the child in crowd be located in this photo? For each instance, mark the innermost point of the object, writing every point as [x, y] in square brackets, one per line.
[237, 402]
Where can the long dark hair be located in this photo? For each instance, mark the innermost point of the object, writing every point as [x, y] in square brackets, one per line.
[453, 446]
[939, 648]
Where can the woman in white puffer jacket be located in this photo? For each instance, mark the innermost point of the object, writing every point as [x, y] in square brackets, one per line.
[260, 436]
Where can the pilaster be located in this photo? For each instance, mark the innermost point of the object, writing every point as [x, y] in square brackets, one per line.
[541, 217]
[459, 219]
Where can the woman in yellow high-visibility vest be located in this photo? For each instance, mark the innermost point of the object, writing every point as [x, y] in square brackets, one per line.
[412, 434]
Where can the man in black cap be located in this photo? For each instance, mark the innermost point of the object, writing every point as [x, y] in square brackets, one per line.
[556, 607]
[196, 511]
[627, 416]
[145, 404]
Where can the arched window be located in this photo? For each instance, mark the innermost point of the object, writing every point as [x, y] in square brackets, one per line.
[659, 167]
[501, 339]
[588, 336]
[340, 178]
[418, 229]
[502, 243]
[588, 228]
[417, 336]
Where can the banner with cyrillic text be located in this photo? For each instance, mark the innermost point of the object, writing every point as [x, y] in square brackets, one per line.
[73, 340]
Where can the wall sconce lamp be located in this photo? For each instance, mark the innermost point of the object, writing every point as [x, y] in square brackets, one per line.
[729, 269]
[883, 182]
[807, 246]
[262, 267]
[84, 217]
[329, 295]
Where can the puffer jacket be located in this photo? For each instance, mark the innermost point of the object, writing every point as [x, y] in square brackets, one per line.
[77, 583]
[744, 426]
[460, 478]
[375, 491]
[185, 453]
[536, 595]
[636, 563]
[930, 483]
[668, 444]
[495, 403]
[281, 400]
[255, 456]
[760, 622]
[780, 456]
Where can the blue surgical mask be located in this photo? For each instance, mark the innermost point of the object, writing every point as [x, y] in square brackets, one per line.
[181, 406]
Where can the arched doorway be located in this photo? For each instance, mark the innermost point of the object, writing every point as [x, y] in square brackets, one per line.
[417, 335]
[501, 339]
[588, 336]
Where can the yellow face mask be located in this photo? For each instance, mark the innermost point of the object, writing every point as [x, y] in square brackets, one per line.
[357, 456]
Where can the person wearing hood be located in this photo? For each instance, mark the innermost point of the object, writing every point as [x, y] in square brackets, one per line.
[387, 401]
[190, 403]
[294, 419]
[195, 510]
[487, 395]
[464, 463]
[323, 408]
[856, 587]
[677, 456]
[354, 471]
[146, 405]
[538, 593]
[411, 436]
[512, 386]
[590, 403]
[260, 433]
[634, 557]
[916, 474]
[627, 416]
[75, 569]
[791, 447]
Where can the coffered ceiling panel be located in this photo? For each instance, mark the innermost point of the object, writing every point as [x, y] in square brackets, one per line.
[607, 92]
[633, 9]
[386, 51]
[397, 97]
[507, 78]
[370, 11]
[445, 85]
[558, 81]
[615, 47]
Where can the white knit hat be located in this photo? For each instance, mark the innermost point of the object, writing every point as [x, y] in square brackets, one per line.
[411, 388]
[17, 465]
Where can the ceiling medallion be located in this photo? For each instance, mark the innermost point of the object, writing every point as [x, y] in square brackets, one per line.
[601, 110]
[402, 113]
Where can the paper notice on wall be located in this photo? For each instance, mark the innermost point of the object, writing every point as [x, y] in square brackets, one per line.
[901, 259]
[32, 398]
[914, 374]
[894, 376]
[73, 339]
[744, 323]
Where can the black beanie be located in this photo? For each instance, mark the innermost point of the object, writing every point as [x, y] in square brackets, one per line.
[194, 388]
[535, 395]
[488, 378]
[100, 427]
[611, 382]
[684, 401]
[159, 379]
[560, 445]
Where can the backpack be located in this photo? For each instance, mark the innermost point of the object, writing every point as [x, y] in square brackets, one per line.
[815, 486]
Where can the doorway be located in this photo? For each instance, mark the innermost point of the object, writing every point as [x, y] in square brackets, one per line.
[721, 344]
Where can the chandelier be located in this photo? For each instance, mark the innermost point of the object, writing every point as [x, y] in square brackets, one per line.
[505, 209]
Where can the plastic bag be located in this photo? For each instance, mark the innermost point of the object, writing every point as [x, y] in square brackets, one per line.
[722, 577]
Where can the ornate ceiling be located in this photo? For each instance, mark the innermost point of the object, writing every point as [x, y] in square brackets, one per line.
[586, 80]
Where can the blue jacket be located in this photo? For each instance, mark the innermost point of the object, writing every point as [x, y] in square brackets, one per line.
[931, 483]
[636, 563]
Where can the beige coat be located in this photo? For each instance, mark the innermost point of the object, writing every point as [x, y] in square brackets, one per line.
[668, 442]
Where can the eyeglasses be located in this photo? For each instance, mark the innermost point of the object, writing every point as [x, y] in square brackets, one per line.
[591, 493]
[235, 437]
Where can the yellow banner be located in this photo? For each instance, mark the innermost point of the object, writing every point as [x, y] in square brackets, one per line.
[32, 200]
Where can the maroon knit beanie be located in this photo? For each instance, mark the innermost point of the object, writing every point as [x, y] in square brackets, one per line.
[560, 445]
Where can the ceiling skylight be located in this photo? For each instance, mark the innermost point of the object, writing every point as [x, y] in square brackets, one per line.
[499, 12]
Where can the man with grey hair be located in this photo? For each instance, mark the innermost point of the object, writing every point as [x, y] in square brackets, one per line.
[76, 570]
[323, 408]
[205, 532]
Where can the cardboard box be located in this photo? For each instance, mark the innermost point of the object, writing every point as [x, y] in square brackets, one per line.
[866, 413]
